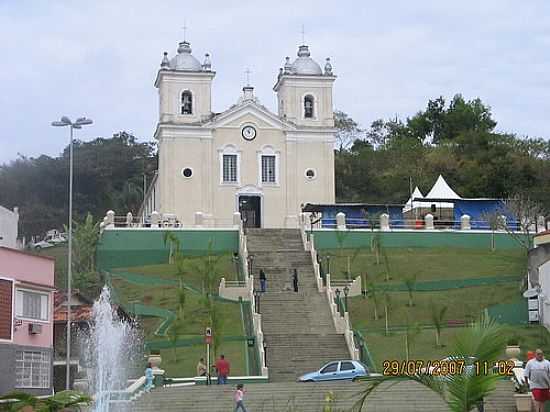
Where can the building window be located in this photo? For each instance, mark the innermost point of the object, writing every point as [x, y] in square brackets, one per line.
[308, 106]
[268, 169]
[32, 369]
[187, 172]
[186, 102]
[31, 305]
[310, 174]
[229, 168]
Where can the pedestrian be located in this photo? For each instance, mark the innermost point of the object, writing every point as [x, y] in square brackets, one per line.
[295, 280]
[537, 375]
[263, 281]
[201, 368]
[239, 396]
[148, 377]
[223, 368]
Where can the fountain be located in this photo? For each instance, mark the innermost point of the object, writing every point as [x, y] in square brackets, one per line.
[111, 349]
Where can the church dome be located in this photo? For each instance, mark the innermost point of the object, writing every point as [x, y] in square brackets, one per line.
[304, 64]
[184, 60]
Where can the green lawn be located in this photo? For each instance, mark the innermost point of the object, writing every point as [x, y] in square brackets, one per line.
[392, 347]
[462, 304]
[182, 363]
[430, 264]
[425, 263]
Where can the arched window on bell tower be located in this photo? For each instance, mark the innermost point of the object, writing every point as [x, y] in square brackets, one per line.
[186, 102]
[308, 106]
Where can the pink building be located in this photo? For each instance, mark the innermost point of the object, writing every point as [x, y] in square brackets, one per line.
[26, 322]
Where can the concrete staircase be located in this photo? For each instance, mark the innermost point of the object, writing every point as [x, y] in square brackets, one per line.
[404, 396]
[298, 329]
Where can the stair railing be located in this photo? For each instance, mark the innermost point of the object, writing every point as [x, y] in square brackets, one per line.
[256, 317]
[341, 323]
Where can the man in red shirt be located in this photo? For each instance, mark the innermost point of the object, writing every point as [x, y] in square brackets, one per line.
[222, 367]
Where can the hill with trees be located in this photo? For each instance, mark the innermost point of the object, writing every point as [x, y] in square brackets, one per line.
[457, 139]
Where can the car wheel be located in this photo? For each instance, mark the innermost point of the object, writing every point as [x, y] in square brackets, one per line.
[37, 248]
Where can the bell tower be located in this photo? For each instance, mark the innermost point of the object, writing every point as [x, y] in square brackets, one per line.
[304, 91]
[185, 87]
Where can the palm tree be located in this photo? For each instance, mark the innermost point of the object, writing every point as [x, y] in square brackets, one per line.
[437, 313]
[485, 341]
[19, 401]
[410, 284]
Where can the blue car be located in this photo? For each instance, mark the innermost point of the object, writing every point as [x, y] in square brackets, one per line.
[337, 370]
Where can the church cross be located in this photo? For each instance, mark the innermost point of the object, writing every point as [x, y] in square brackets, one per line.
[247, 74]
[184, 30]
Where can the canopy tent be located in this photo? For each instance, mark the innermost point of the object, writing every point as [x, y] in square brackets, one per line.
[411, 203]
[441, 190]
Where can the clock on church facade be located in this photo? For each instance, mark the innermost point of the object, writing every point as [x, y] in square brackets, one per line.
[245, 159]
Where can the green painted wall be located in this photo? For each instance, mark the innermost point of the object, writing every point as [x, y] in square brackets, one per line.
[325, 239]
[127, 248]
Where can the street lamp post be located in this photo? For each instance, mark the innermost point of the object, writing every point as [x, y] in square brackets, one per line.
[346, 292]
[65, 121]
[337, 291]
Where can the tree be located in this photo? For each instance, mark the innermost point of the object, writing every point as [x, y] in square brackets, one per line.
[437, 313]
[526, 212]
[387, 306]
[347, 130]
[21, 401]
[178, 258]
[410, 284]
[411, 333]
[108, 174]
[372, 292]
[85, 238]
[485, 341]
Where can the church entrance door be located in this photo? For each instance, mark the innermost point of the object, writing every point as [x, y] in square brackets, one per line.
[250, 209]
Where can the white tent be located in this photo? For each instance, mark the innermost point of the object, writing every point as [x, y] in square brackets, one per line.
[411, 204]
[441, 190]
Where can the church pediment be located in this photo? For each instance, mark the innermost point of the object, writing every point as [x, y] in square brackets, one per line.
[249, 112]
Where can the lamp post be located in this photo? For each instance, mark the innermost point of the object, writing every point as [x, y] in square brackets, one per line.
[65, 121]
[250, 262]
[257, 295]
[337, 291]
[346, 292]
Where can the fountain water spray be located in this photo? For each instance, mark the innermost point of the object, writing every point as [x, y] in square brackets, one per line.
[111, 349]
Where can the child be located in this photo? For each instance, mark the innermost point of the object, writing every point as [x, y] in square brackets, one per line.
[148, 377]
[239, 395]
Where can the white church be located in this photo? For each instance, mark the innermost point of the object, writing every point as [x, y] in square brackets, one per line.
[245, 159]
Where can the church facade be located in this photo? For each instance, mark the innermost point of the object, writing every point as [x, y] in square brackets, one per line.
[245, 159]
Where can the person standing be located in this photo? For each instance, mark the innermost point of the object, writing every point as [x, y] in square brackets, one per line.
[201, 368]
[148, 377]
[537, 375]
[223, 368]
[239, 397]
[295, 280]
[263, 281]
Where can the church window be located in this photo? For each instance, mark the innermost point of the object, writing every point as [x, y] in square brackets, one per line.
[308, 106]
[229, 168]
[187, 172]
[186, 102]
[310, 174]
[268, 169]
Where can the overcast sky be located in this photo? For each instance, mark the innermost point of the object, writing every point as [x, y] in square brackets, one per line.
[100, 58]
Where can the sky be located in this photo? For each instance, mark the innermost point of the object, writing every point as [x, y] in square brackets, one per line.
[99, 59]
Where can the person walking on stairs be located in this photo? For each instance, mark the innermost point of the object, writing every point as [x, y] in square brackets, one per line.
[148, 377]
[222, 367]
[239, 396]
[295, 280]
[537, 375]
[263, 281]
